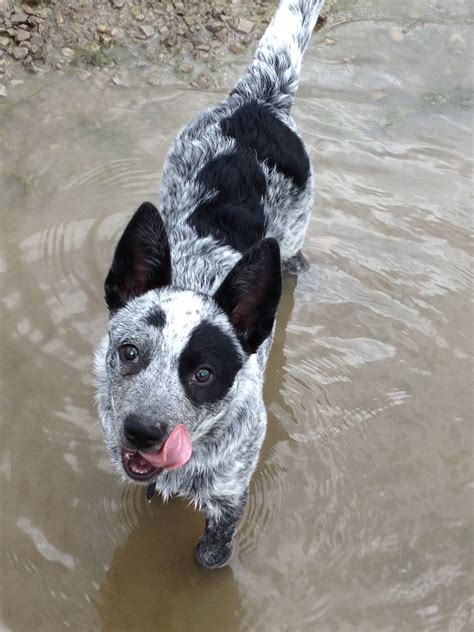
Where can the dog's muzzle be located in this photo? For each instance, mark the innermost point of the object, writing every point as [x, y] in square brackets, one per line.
[175, 452]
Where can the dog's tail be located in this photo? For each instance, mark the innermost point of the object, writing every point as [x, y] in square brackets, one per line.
[274, 73]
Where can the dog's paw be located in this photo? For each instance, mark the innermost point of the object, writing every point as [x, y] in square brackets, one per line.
[296, 264]
[211, 556]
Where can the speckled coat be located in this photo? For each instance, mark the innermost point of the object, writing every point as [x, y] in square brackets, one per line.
[202, 277]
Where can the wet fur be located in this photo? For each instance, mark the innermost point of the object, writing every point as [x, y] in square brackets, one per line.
[203, 276]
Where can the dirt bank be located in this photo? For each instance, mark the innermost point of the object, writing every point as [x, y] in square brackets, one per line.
[191, 39]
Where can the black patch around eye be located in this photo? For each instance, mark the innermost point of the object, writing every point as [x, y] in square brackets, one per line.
[156, 318]
[209, 346]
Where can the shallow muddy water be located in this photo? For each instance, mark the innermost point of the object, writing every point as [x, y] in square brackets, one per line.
[360, 515]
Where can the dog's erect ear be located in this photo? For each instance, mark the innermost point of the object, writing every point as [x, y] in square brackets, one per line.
[142, 259]
[250, 293]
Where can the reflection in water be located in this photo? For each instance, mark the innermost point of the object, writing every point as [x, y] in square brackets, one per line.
[148, 574]
[359, 516]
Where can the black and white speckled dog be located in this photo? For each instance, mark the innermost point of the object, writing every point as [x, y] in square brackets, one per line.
[193, 290]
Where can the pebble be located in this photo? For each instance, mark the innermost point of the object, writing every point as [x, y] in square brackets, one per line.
[67, 52]
[396, 34]
[179, 6]
[222, 35]
[36, 40]
[83, 74]
[18, 17]
[29, 10]
[137, 14]
[236, 48]
[118, 4]
[4, 41]
[20, 52]
[105, 39]
[328, 41]
[3, 91]
[146, 30]
[185, 68]
[457, 41]
[244, 26]
[22, 36]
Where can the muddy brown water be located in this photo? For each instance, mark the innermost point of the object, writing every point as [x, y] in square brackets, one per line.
[360, 516]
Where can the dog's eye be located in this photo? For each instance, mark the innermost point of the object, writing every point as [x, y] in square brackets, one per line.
[203, 375]
[129, 353]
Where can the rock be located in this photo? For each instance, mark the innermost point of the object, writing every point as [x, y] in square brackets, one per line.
[103, 28]
[146, 30]
[38, 70]
[67, 52]
[117, 33]
[236, 48]
[204, 82]
[3, 66]
[222, 35]
[36, 40]
[244, 26]
[20, 52]
[27, 9]
[4, 42]
[82, 14]
[329, 42]
[396, 34]
[179, 6]
[105, 39]
[18, 17]
[118, 4]
[171, 39]
[22, 36]
[185, 68]
[3, 91]
[83, 74]
[137, 14]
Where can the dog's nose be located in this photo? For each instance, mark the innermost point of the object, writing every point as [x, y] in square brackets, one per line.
[142, 433]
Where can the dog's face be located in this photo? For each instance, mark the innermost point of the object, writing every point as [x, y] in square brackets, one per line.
[174, 359]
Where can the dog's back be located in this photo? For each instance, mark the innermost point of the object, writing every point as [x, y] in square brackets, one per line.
[239, 172]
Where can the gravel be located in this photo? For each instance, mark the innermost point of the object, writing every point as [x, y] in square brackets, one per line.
[194, 39]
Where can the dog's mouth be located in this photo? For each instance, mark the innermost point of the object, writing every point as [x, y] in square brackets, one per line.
[175, 452]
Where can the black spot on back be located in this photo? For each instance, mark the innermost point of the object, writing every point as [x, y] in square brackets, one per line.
[234, 216]
[156, 318]
[255, 127]
[209, 346]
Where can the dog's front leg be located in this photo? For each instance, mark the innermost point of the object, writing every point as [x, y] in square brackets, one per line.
[222, 516]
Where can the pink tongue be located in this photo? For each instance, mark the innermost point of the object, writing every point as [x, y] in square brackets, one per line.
[176, 450]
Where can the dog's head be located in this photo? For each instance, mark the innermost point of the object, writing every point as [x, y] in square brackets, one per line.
[174, 359]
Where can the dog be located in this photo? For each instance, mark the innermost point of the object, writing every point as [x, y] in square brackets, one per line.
[193, 290]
